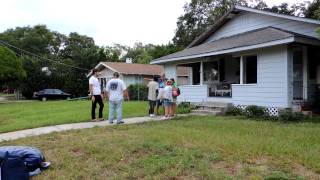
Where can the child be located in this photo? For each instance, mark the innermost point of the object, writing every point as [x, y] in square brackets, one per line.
[167, 95]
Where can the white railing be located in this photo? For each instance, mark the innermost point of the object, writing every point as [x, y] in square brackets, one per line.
[193, 93]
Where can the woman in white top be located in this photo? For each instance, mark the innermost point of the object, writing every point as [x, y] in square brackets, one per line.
[167, 96]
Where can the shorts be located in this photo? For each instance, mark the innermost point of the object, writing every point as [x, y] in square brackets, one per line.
[167, 102]
[174, 101]
[159, 102]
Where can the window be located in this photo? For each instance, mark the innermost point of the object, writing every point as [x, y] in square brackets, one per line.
[250, 70]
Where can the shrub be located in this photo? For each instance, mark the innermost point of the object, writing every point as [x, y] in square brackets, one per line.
[254, 111]
[184, 108]
[289, 116]
[138, 92]
[234, 111]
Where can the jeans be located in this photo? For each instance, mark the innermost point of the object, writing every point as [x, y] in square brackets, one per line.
[115, 105]
[97, 99]
[152, 105]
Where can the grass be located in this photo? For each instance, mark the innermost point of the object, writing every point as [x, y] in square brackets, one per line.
[185, 148]
[17, 116]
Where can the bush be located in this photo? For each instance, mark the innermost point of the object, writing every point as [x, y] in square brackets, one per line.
[183, 108]
[254, 111]
[234, 111]
[289, 116]
[138, 92]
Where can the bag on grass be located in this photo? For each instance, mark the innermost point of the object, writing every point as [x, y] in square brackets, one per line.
[13, 169]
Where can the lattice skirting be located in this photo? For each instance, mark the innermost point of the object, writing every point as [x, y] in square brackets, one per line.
[272, 111]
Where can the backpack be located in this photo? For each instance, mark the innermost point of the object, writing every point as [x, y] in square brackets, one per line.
[13, 169]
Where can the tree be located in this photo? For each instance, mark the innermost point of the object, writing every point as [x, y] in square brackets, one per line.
[11, 67]
[313, 10]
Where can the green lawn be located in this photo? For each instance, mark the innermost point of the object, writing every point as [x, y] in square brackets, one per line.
[17, 116]
[186, 148]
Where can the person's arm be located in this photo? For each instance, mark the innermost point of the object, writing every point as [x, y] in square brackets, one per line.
[125, 91]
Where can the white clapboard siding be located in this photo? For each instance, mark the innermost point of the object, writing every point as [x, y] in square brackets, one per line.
[271, 89]
[193, 93]
[248, 21]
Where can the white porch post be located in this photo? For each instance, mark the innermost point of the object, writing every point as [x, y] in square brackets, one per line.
[241, 69]
[305, 72]
[201, 73]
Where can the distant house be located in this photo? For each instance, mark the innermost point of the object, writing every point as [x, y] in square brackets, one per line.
[251, 57]
[129, 73]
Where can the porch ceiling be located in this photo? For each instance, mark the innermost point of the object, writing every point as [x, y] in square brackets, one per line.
[263, 37]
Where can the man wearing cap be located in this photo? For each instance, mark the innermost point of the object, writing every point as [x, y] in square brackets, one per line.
[116, 89]
[96, 96]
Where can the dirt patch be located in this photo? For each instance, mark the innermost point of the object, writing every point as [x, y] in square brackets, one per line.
[303, 171]
[231, 169]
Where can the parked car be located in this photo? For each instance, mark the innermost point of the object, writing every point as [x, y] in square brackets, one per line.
[51, 94]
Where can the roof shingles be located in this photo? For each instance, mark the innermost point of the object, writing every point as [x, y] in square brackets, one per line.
[143, 69]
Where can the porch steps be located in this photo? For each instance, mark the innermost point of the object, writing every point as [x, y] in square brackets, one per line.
[210, 108]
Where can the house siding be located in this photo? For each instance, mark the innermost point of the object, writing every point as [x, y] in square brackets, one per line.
[272, 86]
[248, 21]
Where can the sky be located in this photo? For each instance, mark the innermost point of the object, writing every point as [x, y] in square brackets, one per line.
[107, 21]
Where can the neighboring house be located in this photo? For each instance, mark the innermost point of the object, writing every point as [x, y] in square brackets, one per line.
[251, 57]
[129, 73]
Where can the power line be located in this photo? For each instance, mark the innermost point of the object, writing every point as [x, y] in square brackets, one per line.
[39, 57]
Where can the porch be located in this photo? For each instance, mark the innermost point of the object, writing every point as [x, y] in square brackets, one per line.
[213, 79]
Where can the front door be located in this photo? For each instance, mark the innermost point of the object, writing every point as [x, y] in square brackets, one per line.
[297, 74]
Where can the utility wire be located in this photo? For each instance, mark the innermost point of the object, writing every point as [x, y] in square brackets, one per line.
[39, 57]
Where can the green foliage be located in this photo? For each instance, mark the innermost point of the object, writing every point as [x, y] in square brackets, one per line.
[277, 175]
[289, 116]
[318, 31]
[254, 111]
[10, 66]
[184, 108]
[234, 111]
[138, 92]
[313, 10]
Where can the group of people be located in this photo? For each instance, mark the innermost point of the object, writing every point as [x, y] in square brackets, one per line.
[162, 92]
[115, 91]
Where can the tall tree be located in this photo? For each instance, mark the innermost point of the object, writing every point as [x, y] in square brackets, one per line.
[11, 67]
[313, 10]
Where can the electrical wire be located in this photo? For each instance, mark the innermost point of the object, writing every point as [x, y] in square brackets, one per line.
[39, 57]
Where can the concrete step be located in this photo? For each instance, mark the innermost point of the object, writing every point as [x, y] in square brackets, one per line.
[212, 104]
[205, 112]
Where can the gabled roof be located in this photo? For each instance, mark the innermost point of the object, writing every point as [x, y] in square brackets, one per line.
[132, 69]
[258, 38]
[235, 10]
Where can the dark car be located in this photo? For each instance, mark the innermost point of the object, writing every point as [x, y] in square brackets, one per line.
[51, 94]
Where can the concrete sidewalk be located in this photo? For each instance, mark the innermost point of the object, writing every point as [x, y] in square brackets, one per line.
[64, 127]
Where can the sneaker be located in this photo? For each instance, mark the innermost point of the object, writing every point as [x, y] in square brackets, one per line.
[100, 119]
[93, 120]
[152, 115]
[45, 165]
[121, 122]
[110, 122]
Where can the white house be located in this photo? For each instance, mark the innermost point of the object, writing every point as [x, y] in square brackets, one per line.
[251, 57]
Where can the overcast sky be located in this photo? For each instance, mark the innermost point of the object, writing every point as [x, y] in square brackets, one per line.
[107, 21]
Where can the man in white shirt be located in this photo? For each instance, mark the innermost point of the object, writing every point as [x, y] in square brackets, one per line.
[96, 96]
[153, 88]
[116, 89]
